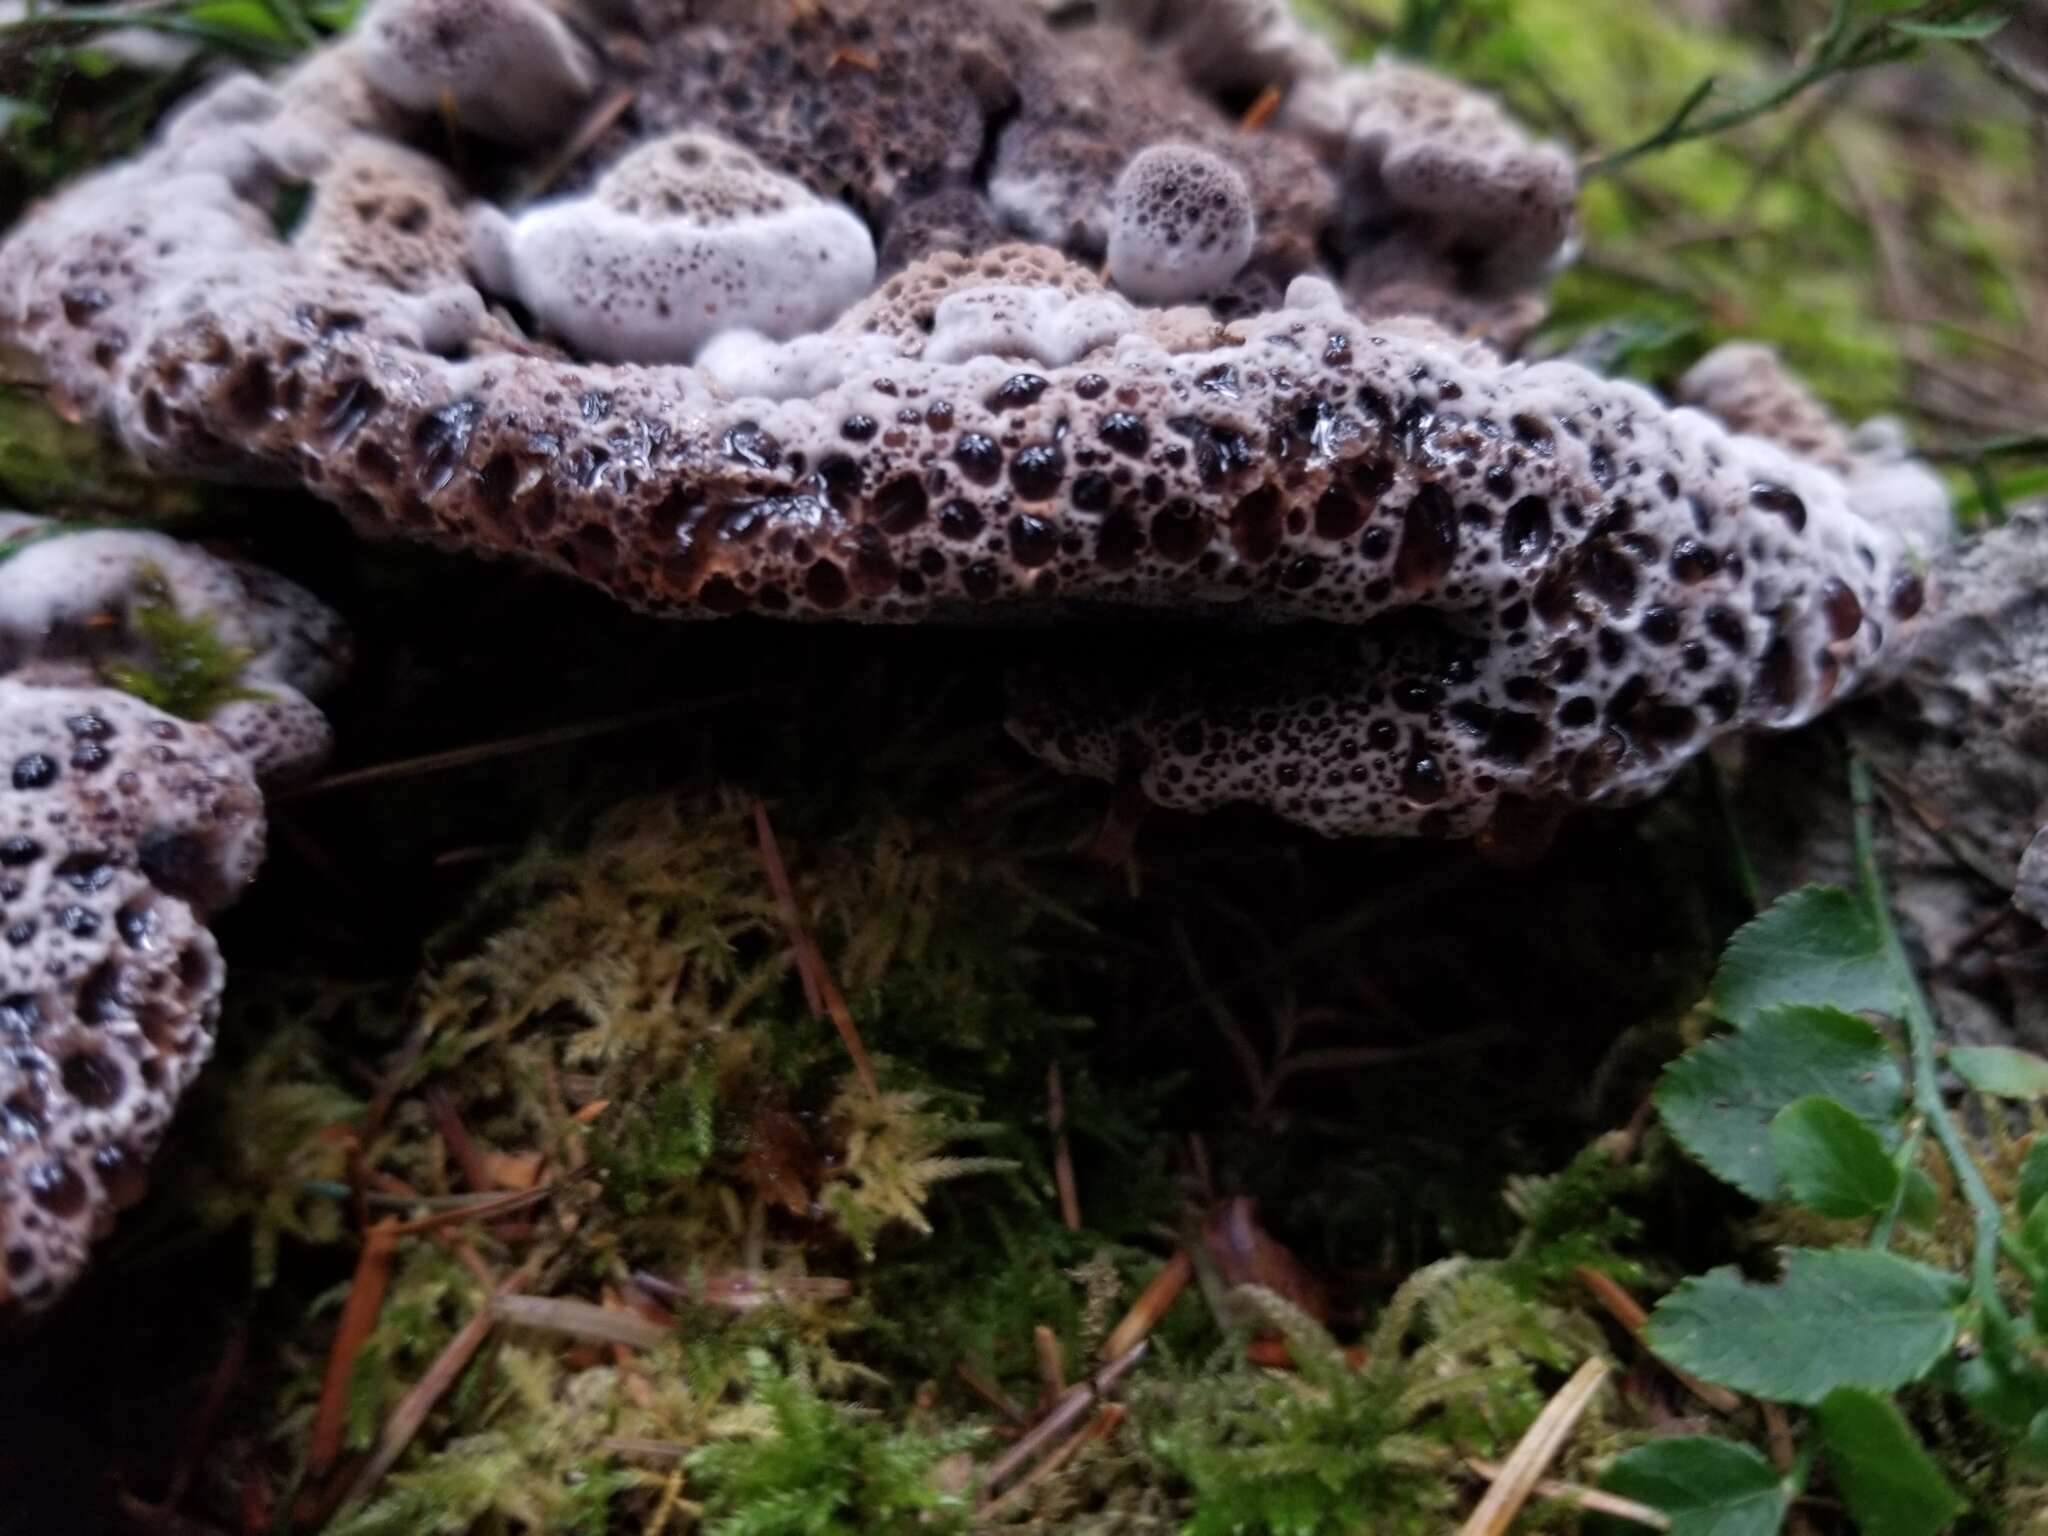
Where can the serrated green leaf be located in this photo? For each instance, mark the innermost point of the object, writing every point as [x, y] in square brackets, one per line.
[2001, 1071]
[1708, 1486]
[1972, 29]
[1830, 1160]
[1720, 1098]
[1885, 1475]
[1817, 945]
[1840, 1317]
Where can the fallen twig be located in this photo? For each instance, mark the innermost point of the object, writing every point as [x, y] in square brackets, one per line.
[580, 1320]
[1078, 1400]
[1104, 1425]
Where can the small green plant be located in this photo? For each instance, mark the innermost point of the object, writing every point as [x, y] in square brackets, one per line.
[825, 1469]
[1451, 1370]
[190, 671]
[1807, 1105]
[1856, 37]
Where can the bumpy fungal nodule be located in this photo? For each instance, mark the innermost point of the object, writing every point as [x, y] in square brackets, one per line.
[1460, 592]
[508, 69]
[123, 828]
[685, 238]
[1183, 224]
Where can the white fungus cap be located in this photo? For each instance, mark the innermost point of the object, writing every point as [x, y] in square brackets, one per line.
[512, 68]
[686, 237]
[1181, 226]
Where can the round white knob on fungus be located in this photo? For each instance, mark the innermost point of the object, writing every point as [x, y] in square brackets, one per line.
[1181, 225]
[513, 69]
[686, 237]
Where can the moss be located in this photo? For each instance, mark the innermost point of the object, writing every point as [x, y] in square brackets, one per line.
[822, 1469]
[187, 670]
[1457, 1366]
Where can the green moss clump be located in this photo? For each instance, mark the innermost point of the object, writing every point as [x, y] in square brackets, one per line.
[1458, 1366]
[823, 1469]
[189, 671]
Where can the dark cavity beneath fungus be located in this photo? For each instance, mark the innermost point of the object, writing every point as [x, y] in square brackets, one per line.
[1448, 588]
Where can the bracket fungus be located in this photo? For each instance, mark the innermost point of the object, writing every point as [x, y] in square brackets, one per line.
[123, 828]
[1450, 589]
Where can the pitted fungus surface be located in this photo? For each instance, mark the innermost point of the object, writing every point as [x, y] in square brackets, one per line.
[1469, 588]
[122, 829]
[1182, 224]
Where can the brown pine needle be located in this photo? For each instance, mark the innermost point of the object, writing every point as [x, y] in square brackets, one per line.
[1531, 1458]
[1151, 1305]
[580, 1320]
[1062, 1154]
[1261, 111]
[486, 751]
[1586, 1498]
[990, 1393]
[596, 123]
[358, 1321]
[413, 1408]
[819, 988]
[461, 1146]
[1052, 1370]
[743, 1290]
[476, 1208]
[1627, 1311]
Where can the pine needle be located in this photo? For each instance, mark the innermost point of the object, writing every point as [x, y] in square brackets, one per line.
[358, 1320]
[1525, 1467]
[823, 994]
[413, 1408]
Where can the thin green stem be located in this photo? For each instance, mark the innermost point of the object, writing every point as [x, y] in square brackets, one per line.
[1842, 47]
[1986, 1221]
[1881, 1234]
[1738, 846]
